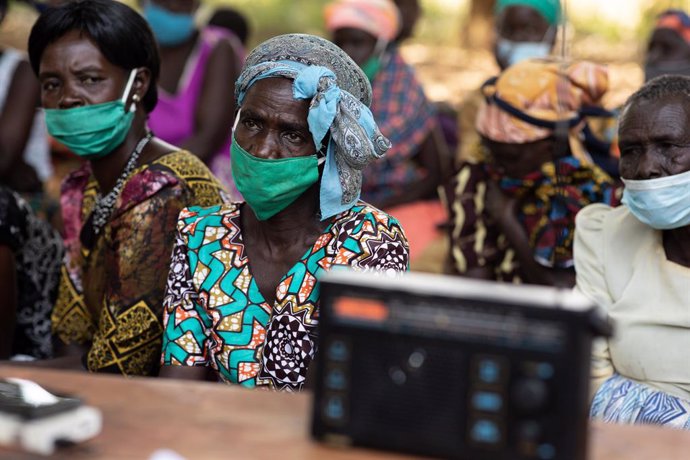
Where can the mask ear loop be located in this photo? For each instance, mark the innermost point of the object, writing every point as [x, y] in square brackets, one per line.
[128, 87]
[380, 47]
[237, 120]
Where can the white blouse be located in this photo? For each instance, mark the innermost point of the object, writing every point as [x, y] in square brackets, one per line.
[621, 265]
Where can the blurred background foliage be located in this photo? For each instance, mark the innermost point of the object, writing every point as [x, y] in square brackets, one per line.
[451, 46]
[440, 23]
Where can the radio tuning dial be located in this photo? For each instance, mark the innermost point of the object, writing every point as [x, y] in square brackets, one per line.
[530, 395]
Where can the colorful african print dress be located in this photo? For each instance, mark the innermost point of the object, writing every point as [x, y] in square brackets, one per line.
[111, 296]
[215, 315]
[549, 200]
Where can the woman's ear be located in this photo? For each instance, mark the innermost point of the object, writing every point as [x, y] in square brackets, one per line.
[142, 80]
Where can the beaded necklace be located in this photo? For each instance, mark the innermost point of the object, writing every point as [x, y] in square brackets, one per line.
[105, 205]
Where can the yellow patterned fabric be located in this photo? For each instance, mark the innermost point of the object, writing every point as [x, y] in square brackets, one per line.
[110, 298]
[545, 90]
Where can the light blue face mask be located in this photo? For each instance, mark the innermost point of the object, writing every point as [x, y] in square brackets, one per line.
[513, 52]
[169, 28]
[662, 203]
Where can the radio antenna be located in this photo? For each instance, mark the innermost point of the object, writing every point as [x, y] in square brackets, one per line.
[564, 25]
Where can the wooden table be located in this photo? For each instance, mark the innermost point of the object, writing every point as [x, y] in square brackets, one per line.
[204, 420]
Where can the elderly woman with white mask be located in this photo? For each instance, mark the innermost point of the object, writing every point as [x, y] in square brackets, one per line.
[634, 260]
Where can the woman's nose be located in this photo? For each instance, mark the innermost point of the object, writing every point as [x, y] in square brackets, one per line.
[70, 98]
[266, 147]
[649, 166]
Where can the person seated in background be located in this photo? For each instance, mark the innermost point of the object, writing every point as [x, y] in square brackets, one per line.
[524, 29]
[405, 182]
[243, 294]
[232, 20]
[634, 261]
[410, 13]
[25, 160]
[97, 63]
[513, 214]
[30, 256]
[198, 69]
[668, 51]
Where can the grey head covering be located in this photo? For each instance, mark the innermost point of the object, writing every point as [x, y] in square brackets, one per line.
[339, 95]
[312, 50]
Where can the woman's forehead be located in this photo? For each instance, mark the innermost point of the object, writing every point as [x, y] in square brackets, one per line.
[72, 48]
[664, 117]
[275, 94]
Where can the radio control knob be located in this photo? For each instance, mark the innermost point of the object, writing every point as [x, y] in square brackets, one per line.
[530, 395]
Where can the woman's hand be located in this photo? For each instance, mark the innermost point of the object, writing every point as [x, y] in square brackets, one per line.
[501, 207]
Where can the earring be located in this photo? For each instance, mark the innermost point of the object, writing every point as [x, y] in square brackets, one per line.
[135, 101]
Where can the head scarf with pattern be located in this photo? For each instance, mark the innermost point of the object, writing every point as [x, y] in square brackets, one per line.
[339, 95]
[527, 101]
[380, 18]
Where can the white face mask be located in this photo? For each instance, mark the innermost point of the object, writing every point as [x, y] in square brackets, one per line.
[511, 52]
[662, 203]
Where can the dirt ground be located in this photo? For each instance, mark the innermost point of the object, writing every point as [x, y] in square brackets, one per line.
[449, 73]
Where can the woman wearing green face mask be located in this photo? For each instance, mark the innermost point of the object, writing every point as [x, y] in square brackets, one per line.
[405, 183]
[97, 64]
[303, 134]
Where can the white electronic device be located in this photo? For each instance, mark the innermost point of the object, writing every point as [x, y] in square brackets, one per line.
[36, 420]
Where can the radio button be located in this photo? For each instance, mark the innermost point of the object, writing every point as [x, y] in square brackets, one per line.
[487, 401]
[529, 430]
[485, 432]
[489, 370]
[546, 452]
[530, 395]
[335, 379]
[338, 351]
[334, 409]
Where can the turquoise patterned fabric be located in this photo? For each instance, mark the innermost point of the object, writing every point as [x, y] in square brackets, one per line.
[215, 315]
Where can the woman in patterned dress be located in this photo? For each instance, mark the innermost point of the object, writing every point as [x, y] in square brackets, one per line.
[243, 293]
[513, 213]
[97, 63]
[30, 255]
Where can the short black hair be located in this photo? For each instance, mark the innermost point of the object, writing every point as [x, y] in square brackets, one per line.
[660, 88]
[232, 20]
[119, 32]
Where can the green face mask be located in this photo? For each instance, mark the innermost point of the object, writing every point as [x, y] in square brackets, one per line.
[92, 131]
[269, 186]
[371, 67]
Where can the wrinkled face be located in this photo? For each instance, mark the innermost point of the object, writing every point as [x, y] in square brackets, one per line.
[654, 139]
[73, 72]
[272, 123]
[358, 44]
[518, 160]
[666, 46]
[521, 24]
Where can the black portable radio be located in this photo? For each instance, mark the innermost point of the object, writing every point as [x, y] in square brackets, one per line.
[450, 367]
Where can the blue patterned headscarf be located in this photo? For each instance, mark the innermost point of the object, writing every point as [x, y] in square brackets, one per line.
[339, 94]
